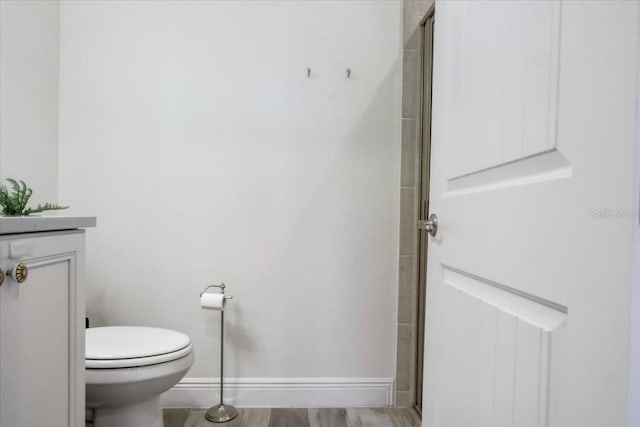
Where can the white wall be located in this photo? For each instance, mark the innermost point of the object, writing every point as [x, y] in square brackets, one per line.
[29, 33]
[193, 133]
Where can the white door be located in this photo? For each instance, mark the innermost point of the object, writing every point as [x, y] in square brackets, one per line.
[42, 331]
[531, 180]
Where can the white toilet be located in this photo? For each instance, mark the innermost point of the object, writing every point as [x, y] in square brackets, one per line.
[127, 368]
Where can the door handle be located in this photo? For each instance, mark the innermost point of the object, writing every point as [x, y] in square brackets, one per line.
[430, 225]
[18, 272]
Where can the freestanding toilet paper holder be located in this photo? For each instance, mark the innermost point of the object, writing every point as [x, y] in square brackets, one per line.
[221, 413]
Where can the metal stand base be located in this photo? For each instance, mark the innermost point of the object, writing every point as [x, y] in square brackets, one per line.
[221, 413]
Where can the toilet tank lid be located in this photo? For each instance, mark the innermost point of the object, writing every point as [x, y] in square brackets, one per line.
[127, 342]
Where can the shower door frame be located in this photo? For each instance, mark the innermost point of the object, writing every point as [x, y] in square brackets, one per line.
[426, 78]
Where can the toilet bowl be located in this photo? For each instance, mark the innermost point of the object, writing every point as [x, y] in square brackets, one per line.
[127, 368]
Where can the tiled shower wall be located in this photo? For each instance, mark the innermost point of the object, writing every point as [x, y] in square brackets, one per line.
[414, 11]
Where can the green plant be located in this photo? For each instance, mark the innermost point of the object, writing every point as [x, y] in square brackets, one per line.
[14, 203]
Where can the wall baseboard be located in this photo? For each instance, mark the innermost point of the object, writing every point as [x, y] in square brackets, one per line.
[282, 392]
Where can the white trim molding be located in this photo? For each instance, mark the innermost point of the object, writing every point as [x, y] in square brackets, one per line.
[282, 392]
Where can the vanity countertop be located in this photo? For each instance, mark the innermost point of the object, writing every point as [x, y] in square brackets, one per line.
[32, 224]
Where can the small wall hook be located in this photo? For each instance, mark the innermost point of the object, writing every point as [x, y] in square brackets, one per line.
[348, 73]
[308, 71]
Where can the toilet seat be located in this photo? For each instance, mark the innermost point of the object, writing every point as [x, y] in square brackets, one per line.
[114, 347]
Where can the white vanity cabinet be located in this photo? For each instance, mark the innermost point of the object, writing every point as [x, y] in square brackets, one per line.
[42, 323]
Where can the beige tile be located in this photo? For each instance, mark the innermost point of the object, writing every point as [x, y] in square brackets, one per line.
[175, 417]
[300, 417]
[247, 417]
[406, 294]
[412, 14]
[407, 221]
[328, 417]
[403, 417]
[289, 417]
[253, 417]
[410, 25]
[410, 83]
[409, 152]
[404, 399]
[421, 7]
[196, 418]
[368, 417]
[405, 353]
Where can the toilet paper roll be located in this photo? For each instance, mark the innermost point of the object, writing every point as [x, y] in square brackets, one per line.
[210, 301]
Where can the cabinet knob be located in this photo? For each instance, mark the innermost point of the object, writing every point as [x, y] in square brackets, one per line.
[18, 272]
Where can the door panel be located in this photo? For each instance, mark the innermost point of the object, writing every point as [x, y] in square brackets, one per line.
[43, 325]
[42, 332]
[503, 88]
[495, 357]
[533, 130]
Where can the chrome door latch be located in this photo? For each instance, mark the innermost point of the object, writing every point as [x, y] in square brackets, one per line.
[430, 226]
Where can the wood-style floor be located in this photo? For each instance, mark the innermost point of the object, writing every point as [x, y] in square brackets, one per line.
[299, 417]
